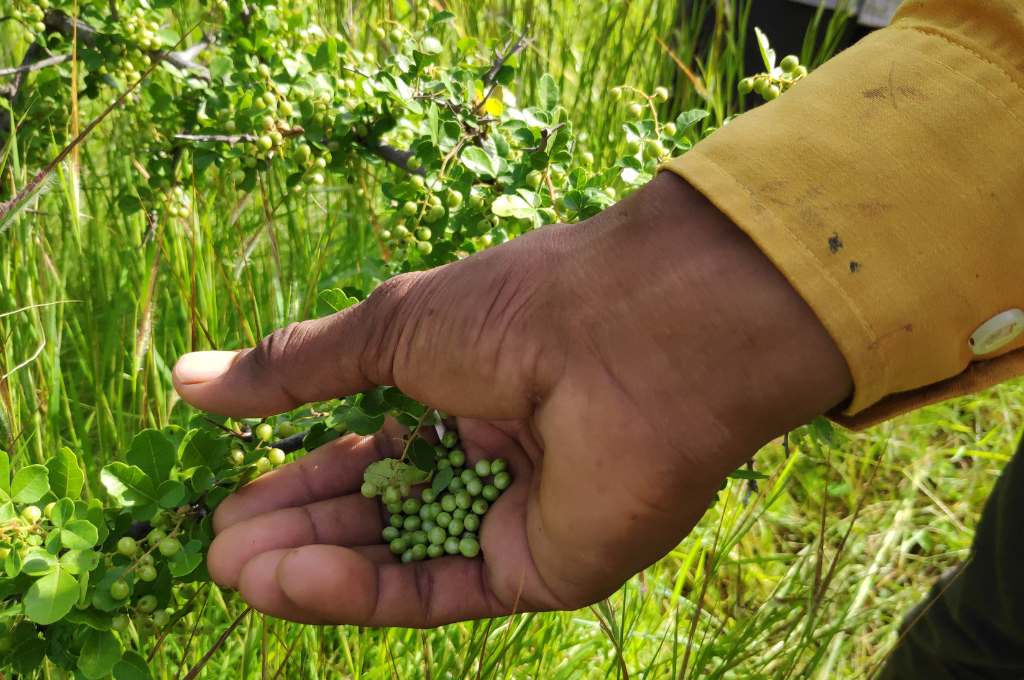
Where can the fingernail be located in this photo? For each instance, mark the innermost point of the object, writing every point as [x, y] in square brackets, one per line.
[200, 367]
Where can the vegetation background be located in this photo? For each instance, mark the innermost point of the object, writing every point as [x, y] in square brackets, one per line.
[804, 576]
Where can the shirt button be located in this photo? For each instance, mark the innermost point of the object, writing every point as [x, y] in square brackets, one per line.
[997, 332]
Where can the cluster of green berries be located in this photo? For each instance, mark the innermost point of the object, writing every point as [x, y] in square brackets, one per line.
[177, 203]
[657, 146]
[770, 86]
[445, 522]
[142, 568]
[415, 220]
[31, 14]
[272, 457]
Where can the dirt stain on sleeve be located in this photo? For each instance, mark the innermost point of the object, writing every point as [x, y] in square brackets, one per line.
[835, 244]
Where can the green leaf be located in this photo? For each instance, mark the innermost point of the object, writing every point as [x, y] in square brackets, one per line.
[442, 478]
[101, 651]
[153, 453]
[200, 447]
[358, 421]
[66, 476]
[202, 479]
[79, 534]
[319, 435]
[80, 561]
[510, 205]
[132, 666]
[337, 299]
[220, 66]
[687, 119]
[422, 455]
[51, 597]
[480, 162]
[63, 512]
[171, 494]
[37, 562]
[128, 484]
[391, 471]
[30, 484]
[743, 473]
[184, 563]
[5, 473]
[548, 91]
[767, 53]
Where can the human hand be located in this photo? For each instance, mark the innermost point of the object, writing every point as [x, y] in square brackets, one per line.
[623, 366]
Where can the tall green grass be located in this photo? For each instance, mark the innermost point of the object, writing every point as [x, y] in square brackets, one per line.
[805, 576]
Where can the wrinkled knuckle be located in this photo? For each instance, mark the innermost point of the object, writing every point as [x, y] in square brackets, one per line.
[423, 578]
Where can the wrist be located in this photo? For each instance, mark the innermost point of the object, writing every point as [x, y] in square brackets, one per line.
[704, 328]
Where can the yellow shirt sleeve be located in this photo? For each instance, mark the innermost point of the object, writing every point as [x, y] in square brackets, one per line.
[888, 187]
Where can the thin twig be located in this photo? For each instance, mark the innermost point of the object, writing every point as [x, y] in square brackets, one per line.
[198, 668]
[35, 65]
[491, 77]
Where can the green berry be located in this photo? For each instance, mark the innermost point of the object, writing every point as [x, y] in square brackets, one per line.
[746, 86]
[633, 146]
[414, 163]
[120, 623]
[392, 495]
[407, 556]
[447, 503]
[480, 506]
[264, 432]
[455, 527]
[410, 506]
[427, 525]
[453, 199]
[458, 513]
[761, 83]
[389, 534]
[146, 559]
[616, 93]
[456, 485]
[451, 546]
[398, 546]
[490, 492]
[428, 496]
[502, 480]
[482, 467]
[48, 509]
[654, 148]
[457, 457]
[443, 518]
[119, 590]
[437, 535]
[771, 92]
[265, 142]
[419, 537]
[434, 551]
[636, 110]
[411, 523]
[498, 465]
[669, 129]
[397, 521]
[161, 618]
[471, 523]
[276, 457]
[468, 475]
[147, 573]
[147, 604]
[533, 179]
[790, 63]
[661, 94]
[31, 513]
[169, 547]
[587, 158]
[409, 208]
[155, 536]
[435, 213]
[424, 234]
[474, 487]
[424, 247]
[368, 489]
[450, 439]
[419, 552]
[800, 72]
[469, 547]
[237, 456]
[127, 546]
[263, 465]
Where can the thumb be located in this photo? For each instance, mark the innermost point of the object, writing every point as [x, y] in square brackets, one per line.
[465, 338]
